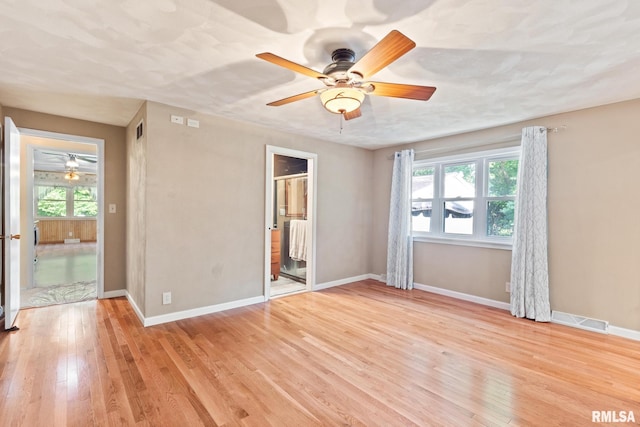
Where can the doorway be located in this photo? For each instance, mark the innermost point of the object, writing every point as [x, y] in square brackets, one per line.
[62, 204]
[290, 221]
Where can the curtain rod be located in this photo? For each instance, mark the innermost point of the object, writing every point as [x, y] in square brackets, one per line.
[498, 141]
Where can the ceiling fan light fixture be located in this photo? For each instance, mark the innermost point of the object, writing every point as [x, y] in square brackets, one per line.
[72, 162]
[340, 100]
[72, 176]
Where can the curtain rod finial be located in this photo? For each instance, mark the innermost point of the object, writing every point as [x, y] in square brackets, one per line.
[557, 129]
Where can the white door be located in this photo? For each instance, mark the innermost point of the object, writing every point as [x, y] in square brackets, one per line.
[11, 222]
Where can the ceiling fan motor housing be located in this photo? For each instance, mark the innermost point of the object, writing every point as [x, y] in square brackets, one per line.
[343, 59]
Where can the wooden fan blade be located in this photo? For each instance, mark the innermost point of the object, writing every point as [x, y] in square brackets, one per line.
[293, 98]
[275, 59]
[395, 90]
[393, 46]
[352, 115]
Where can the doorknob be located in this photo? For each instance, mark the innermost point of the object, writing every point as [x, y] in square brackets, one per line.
[12, 236]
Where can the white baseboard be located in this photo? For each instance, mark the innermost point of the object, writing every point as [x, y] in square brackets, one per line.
[179, 315]
[185, 314]
[136, 309]
[624, 333]
[610, 330]
[613, 330]
[452, 294]
[463, 296]
[200, 311]
[115, 294]
[339, 282]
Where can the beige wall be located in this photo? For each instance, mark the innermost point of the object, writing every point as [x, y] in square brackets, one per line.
[136, 213]
[593, 255]
[115, 160]
[205, 209]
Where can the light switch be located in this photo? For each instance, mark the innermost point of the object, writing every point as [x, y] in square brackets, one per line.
[112, 208]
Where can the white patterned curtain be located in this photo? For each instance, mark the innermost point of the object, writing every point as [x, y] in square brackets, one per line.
[400, 244]
[529, 266]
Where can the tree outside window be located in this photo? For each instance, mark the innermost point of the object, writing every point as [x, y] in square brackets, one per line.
[59, 201]
[85, 201]
[502, 185]
[51, 201]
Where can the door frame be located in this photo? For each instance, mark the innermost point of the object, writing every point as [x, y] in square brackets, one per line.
[99, 143]
[312, 191]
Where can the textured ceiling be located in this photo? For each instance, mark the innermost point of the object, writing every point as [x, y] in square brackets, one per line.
[493, 61]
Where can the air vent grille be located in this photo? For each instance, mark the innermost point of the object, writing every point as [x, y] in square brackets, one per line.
[587, 323]
[139, 130]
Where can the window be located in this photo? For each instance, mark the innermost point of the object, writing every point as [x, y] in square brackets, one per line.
[501, 194]
[85, 201]
[54, 201]
[51, 201]
[469, 197]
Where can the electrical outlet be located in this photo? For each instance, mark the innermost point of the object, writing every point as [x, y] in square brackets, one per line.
[507, 287]
[71, 234]
[179, 120]
[112, 208]
[166, 298]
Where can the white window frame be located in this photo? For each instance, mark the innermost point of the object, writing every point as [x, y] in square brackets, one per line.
[70, 202]
[479, 236]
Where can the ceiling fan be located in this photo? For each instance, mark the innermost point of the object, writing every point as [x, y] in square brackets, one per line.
[346, 79]
[72, 157]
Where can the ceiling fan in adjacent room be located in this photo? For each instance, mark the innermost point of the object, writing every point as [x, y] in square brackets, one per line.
[347, 80]
[71, 158]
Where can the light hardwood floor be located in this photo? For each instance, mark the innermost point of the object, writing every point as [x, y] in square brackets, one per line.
[358, 354]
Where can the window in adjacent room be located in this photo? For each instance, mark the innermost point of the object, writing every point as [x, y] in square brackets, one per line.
[469, 197]
[85, 201]
[54, 201]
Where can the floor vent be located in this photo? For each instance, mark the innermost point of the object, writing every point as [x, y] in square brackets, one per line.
[587, 323]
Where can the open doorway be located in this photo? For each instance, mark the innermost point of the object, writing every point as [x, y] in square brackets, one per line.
[62, 205]
[290, 214]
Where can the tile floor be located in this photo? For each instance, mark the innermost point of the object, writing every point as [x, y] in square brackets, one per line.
[285, 285]
[63, 273]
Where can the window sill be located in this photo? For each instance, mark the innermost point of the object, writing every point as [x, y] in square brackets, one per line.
[492, 244]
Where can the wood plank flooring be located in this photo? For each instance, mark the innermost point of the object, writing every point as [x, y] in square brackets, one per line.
[359, 354]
